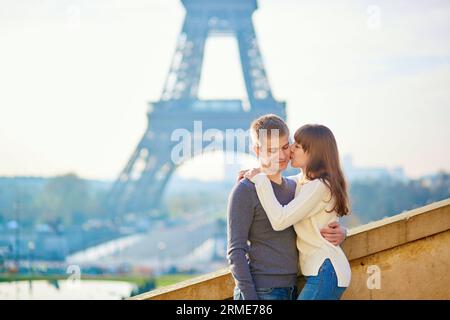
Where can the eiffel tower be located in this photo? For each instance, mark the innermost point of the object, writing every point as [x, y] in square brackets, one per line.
[140, 185]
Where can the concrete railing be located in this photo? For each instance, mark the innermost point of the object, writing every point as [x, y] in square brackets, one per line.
[406, 256]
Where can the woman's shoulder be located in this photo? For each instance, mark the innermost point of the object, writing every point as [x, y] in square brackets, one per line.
[316, 185]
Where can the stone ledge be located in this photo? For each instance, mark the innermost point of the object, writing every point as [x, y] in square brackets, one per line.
[397, 230]
[216, 285]
[363, 241]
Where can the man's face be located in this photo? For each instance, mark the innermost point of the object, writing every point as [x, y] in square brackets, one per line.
[274, 153]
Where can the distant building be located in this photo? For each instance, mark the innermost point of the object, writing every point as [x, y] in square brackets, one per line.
[356, 173]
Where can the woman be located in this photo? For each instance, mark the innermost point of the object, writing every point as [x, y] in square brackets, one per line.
[321, 198]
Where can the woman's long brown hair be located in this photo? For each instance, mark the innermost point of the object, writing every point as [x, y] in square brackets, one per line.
[319, 143]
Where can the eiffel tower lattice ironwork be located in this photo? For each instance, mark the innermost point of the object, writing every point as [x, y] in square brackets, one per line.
[140, 185]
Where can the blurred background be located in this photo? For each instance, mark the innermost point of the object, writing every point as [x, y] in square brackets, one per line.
[75, 85]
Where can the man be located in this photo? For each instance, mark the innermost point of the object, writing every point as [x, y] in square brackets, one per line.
[264, 262]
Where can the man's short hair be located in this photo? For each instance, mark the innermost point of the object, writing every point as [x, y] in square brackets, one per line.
[267, 123]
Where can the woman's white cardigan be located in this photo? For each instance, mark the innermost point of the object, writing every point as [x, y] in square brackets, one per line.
[308, 214]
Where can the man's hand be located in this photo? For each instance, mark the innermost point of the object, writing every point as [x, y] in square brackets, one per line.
[334, 233]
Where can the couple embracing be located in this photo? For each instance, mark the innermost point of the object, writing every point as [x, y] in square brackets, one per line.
[280, 227]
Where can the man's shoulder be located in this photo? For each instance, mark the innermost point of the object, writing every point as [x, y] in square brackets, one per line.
[243, 196]
[244, 186]
[243, 190]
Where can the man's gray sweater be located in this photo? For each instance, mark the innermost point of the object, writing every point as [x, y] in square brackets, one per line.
[260, 257]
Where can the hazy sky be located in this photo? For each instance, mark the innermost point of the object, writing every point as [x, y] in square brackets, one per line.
[76, 76]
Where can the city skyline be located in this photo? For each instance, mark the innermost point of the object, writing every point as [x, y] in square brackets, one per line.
[76, 80]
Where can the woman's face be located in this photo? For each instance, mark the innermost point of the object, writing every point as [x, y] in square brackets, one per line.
[299, 157]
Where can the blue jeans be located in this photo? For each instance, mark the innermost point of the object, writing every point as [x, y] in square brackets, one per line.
[323, 286]
[284, 293]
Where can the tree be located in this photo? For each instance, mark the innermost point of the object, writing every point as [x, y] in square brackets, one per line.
[64, 200]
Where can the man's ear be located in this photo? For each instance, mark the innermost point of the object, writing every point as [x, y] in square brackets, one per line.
[257, 150]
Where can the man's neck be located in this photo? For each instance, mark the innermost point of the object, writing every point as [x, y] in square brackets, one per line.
[277, 178]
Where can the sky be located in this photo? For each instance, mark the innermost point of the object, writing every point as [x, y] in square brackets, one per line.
[76, 78]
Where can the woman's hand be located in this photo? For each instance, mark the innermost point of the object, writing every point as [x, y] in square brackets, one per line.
[241, 175]
[251, 173]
